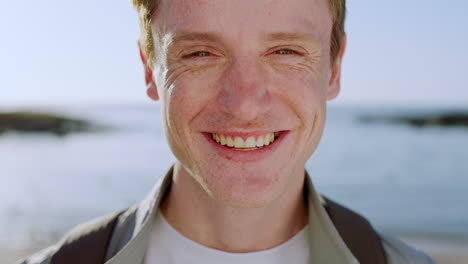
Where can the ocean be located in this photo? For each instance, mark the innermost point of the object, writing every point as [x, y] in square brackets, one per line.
[409, 181]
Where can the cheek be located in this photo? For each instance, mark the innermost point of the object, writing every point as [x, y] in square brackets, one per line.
[302, 91]
[305, 94]
[190, 93]
[181, 88]
[178, 108]
[186, 97]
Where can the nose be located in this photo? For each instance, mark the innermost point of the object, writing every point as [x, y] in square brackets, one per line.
[245, 91]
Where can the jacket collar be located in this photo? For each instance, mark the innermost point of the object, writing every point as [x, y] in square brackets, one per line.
[325, 243]
[130, 238]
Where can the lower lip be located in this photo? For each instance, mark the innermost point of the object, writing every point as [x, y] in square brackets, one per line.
[246, 156]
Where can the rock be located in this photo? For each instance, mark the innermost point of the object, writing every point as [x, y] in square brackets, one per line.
[446, 119]
[32, 122]
[441, 120]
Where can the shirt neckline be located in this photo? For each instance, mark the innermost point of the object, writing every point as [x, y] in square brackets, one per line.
[293, 241]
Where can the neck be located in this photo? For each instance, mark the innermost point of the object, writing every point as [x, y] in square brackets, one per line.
[232, 229]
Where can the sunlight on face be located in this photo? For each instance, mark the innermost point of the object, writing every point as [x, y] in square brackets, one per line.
[243, 91]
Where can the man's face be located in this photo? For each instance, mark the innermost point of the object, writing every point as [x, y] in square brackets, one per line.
[243, 86]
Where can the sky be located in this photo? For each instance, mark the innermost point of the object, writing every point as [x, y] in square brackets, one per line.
[399, 52]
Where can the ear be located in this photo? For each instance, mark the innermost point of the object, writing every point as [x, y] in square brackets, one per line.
[335, 78]
[151, 89]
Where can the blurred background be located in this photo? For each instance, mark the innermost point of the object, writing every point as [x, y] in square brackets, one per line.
[79, 138]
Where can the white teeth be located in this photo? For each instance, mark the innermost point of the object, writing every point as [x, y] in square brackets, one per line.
[238, 142]
[259, 142]
[249, 144]
[230, 142]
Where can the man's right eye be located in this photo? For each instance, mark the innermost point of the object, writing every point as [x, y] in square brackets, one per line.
[198, 54]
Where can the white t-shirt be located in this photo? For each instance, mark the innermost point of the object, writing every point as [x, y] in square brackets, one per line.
[167, 246]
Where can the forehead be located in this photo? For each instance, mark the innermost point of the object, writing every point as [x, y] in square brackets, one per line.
[240, 18]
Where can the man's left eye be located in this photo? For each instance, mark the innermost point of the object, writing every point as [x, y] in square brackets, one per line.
[285, 52]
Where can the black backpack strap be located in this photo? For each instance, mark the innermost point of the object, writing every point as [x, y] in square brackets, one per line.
[87, 244]
[357, 233]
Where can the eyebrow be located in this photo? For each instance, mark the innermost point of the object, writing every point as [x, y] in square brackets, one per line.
[291, 36]
[195, 36]
[213, 37]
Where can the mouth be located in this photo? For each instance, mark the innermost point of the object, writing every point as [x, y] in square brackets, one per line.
[245, 142]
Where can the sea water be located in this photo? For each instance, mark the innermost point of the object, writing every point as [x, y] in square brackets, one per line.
[406, 180]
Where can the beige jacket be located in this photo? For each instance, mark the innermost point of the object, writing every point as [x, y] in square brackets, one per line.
[130, 238]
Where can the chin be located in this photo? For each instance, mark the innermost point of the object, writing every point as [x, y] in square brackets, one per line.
[243, 189]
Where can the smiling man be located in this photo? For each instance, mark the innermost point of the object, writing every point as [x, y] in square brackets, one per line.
[243, 87]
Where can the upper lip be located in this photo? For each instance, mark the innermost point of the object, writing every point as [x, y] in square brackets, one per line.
[245, 134]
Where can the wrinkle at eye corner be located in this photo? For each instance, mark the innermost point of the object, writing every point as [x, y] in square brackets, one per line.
[173, 74]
